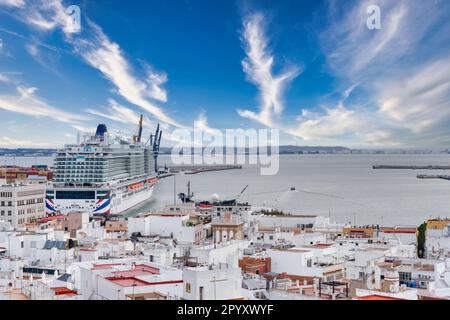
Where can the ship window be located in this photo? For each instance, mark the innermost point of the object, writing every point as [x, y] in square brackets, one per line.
[75, 195]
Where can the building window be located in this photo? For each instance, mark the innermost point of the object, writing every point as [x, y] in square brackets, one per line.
[404, 276]
[188, 288]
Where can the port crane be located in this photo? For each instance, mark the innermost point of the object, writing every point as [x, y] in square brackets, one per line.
[137, 137]
[155, 143]
[240, 194]
[154, 140]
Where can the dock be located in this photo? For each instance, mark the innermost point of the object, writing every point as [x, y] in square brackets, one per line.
[410, 167]
[194, 169]
[433, 176]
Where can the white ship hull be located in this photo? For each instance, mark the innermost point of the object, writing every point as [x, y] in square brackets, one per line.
[100, 200]
[101, 175]
[124, 205]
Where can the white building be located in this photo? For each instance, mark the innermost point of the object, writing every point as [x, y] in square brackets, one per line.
[287, 221]
[404, 235]
[128, 279]
[440, 288]
[22, 204]
[305, 264]
[32, 244]
[214, 254]
[438, 243]
[174, 224]
[278, 235]
[217, 282]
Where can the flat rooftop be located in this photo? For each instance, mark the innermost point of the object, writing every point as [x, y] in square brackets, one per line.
[133, 281]
[377, 297]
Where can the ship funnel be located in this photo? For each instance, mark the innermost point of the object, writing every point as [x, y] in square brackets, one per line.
[101, 130]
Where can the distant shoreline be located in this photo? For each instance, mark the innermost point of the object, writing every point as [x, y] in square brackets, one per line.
[283, 150]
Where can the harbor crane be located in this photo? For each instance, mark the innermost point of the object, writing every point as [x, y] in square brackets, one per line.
[155, 142]
[137, 137]
[243, 190]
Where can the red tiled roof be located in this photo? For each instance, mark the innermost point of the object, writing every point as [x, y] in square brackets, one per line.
[138, 270]
[47, 219]
[322, 245]
[59, 291]
[399, 230]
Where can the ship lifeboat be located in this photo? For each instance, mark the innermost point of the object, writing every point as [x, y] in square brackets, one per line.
[152, 180]
[205, 206]
[136, 185]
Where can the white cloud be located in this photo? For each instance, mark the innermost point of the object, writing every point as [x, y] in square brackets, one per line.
[258, 66]
[100, 52]
[331, 125]
[47, 59]
[4, 78]
[155, 81]
[45, 15]
[107, 57]
[402, 68]
[117, 112]
[418, 101]
[357, 52]
[380, 138]
[84, 129]
[28, 103]
[202, 124]
[7, 142]
[13, 3]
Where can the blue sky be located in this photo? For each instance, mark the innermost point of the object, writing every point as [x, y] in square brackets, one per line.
[309, 68]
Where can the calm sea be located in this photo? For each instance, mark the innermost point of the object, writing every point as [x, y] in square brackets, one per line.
[343, 187]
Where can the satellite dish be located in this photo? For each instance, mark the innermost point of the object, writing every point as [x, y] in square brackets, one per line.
[215, 197]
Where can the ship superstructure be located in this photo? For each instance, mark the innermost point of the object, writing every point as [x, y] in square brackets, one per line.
[102, 174]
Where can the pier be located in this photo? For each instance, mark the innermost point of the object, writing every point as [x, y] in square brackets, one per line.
[410, 167]
[433, 176]
[194, 169]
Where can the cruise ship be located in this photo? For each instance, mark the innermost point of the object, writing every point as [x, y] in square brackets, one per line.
[103, 175]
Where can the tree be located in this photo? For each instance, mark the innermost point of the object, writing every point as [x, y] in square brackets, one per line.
[421, 238]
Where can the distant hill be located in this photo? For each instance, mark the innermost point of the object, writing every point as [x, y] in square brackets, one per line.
[287, 149]
[312, 149]
[28, 152]
[283, 150]
[167, 150]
